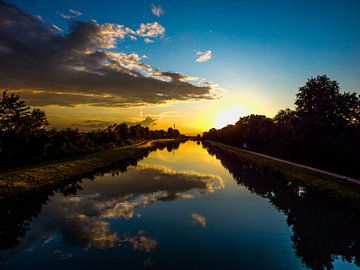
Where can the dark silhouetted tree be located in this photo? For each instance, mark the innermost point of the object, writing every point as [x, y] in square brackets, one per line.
[321, 106]
[323, 130]
[24, 137]
[16, 117]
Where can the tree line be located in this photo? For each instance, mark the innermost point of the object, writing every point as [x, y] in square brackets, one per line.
[25, 136]
[323, 130]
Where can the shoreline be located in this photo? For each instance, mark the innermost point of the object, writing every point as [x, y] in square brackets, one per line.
[52, 174]
[336, 187]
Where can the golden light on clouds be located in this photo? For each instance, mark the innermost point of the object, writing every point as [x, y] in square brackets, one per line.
[190, 117]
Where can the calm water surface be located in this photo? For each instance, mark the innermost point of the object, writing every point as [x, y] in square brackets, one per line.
[188, 207]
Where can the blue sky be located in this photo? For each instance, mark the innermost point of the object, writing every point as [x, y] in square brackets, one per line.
[260, 49]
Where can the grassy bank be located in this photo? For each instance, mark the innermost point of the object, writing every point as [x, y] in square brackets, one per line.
[313, 180]
[48, 175]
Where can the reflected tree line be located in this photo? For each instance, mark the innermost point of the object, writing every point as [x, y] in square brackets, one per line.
[25, 137]
[16, 213]
[322, 228]
[323, 130]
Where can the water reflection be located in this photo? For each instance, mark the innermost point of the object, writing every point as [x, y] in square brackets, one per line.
[200, 219]
[84, 216]
[323, 229]
[17, 213]
[173, 211]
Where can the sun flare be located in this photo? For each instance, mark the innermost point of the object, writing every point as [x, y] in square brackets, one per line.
[228, 116]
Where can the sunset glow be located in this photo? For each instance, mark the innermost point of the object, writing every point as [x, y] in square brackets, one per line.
[163, 134]
[228, 116]
[142, 54]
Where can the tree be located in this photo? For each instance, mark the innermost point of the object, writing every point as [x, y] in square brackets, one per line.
[17, 118]
[321, 106]
[35, 121]
[286, 118]
[170, 132]
[349, 112]
[22, 130]
[323, 130]
[123, 130]
[176, 133]
[24, 138]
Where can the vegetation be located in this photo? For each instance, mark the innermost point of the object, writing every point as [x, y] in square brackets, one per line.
[323, 228]
[25, 137]
[323, 130]
[310, 179]
[20, 205]
[57, 173]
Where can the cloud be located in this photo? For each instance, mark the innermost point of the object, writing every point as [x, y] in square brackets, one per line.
[147, 122]
[89, 214]
[148, 40]
[157, 10]
[66, 17]
[56, 28]
[75, 12]
[73, 15]
[38, 17]
[174, 77]
[141, 242]
[93, 124]
[80, 67]
[199, 219]
[203, 56]
[96, 124]
[153, 29]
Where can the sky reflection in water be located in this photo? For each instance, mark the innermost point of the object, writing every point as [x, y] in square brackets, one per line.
[178, 208]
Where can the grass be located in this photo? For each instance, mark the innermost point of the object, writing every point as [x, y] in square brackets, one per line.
[47, 175]
[333, 186]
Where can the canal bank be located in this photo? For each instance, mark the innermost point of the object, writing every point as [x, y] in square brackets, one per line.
[49, 175]
[312, 179]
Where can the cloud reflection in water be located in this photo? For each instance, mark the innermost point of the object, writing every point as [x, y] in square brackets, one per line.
[85, 220]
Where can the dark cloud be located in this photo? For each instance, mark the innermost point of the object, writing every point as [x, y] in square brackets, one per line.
[175, 77]
[79, 67]
[95, 124]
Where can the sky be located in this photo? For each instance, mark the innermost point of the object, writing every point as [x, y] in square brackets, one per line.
[197, 64]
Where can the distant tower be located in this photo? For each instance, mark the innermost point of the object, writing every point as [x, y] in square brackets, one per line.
[174, 125]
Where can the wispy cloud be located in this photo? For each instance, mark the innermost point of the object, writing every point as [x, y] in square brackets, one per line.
[56, 28]
[73, 14]
[66, 17]
[157, 10]
[148, 40]
[203, 56]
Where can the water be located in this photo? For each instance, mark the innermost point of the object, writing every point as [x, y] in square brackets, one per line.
[182, 207]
